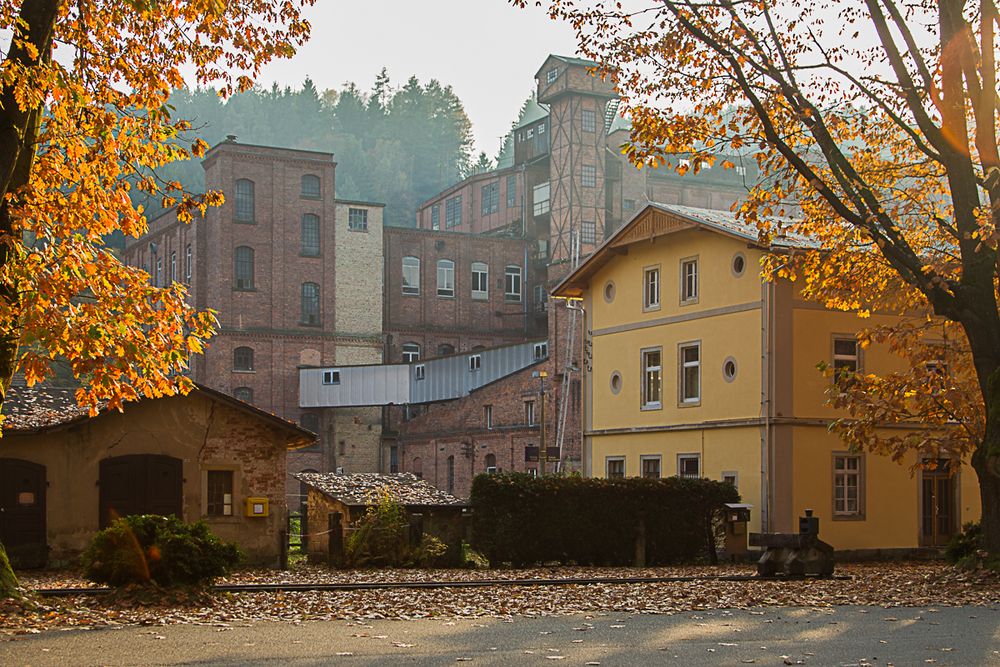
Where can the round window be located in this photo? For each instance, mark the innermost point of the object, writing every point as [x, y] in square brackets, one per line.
[739, 264]
[729, 369]
[609, 292]
[616, 382]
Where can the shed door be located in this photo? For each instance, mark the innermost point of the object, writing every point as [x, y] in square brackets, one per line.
[22, 512]
[140, 484]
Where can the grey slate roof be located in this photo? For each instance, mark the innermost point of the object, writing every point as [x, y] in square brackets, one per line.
[363, 488]
[727, 221]
[30, 408]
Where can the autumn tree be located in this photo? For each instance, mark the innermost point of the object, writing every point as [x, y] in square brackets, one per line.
[83, 116]
[874, 122]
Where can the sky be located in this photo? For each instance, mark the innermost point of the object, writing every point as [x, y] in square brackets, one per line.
[487, 50]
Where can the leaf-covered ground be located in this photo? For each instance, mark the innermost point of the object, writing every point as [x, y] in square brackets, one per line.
[882, 584]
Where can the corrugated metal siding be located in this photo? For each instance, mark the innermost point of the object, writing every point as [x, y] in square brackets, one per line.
[444, 378]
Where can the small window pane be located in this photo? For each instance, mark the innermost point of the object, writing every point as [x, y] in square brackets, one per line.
[220, 493]
[244, 200]
[310, 304]
[357, 219]
[310, 235]
[588, 176]
[244, 268]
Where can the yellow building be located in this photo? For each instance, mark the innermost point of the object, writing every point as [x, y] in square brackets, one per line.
[697, 367]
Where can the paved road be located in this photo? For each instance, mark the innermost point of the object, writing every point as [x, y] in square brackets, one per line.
[771, 636]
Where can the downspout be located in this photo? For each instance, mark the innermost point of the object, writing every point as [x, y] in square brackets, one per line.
[765, 406]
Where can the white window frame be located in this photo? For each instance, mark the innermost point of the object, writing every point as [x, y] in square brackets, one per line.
[419, 372]
[446, 278]
[645, 370]
[188, 264]
[842, 511]
[734, 474]
[682, 366]
[651, 286]
[651, 457]
[513, 287]
[835, 357]
[488, 417]
[480, 279]
[412, 267]
[331, 376]
[475, 362]
[540, 197]
[689, 280]
[529, 413]
[551, 76]
[410, 351]
[540, 350]
[608, 460]
[688, 456]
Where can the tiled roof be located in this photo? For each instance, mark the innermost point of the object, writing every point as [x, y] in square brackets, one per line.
[728, 222]
[363, 488]
[41, 406]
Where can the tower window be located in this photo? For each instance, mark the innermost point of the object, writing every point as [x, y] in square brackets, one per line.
[244, 200]
[588, 176]
[589, 121]
[310, 186]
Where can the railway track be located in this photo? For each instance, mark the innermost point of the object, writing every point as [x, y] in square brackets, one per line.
[479, 583]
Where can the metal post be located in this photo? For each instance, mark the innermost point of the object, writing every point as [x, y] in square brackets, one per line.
[543, 450]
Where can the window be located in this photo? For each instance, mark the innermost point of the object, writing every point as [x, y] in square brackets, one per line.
[541, 350]
[511, 191]
[729, 369]
[731, 477]
[451, 474]
[244, 268]
[309, 421]
[588, 232]
[628, 204]
[411, 352]
[173, 267]
[411, 275]
[310, 304]
[453, 212]
[491, 463]
[446, 277]
[689, 280]
[529, 413]
[739, 264]
[475, 362]
[651, 288]
[310, 235]
[418, 468]
[310, 186]
[480, 280]
[847, 471]
[245, 394]
[220, 493]
[588, 176]
[394, 459]
[243, 359]
[188, 264]
[652, 380]
[419, 372]
[551, 75]
[357, 219]
[541, 298]
[491, 198]
[589, 121]
[540, 199]
[159, 272]
[615, 467]
[531, 132]
[690, 381]
[436, 216]
[488, 416]
[331, 377]
[650, 467]
[512, 284]
[846, 358]
[445, 349]
[244, 200]
[689, 465]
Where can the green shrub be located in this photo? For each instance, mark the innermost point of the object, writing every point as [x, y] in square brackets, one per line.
[522, 519]
[965, 544]
[380, 536]
[147, 548]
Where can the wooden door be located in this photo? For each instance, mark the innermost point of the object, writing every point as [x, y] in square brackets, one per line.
[22, 512]
[938, 509]
[140, 484]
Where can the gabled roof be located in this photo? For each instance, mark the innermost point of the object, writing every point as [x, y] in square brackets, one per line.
[569, 60]
[41, 408]
[361, 489]
[657, 219]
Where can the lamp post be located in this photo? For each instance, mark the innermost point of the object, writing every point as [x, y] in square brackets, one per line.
[543, 450]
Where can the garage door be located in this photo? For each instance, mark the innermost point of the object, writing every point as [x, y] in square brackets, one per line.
[22, 512]
[140, 484]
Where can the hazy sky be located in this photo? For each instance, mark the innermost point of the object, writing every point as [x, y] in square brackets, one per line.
[486, 50]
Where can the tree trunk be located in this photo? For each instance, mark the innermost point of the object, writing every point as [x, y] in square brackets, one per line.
[8, 582]
[986, 463]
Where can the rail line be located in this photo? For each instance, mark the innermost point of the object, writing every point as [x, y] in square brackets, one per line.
[478, 583]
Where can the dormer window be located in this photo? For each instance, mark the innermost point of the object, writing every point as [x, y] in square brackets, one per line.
[551, 75]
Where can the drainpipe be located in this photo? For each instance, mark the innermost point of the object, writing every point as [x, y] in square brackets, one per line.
[765, 406]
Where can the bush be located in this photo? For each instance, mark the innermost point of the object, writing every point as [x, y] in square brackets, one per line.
[147, 548]
[380, 536]
[965, 544]
[522, 519]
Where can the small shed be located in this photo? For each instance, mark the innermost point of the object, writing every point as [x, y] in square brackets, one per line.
[65, 474]
[350, 495]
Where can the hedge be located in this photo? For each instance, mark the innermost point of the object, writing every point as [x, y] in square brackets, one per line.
[522, 519]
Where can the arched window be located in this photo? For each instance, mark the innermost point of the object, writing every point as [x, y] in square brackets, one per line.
[491, 463]
[310, 186]
[411, 352]
[411, 275]
[445, 349]
[243, 269]
[244, 200]
[310, 235]
[451, 474]
[446, 277]
[310, 304]
[173, 267]
[418, 468]
[243, 359]
[245, 394]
